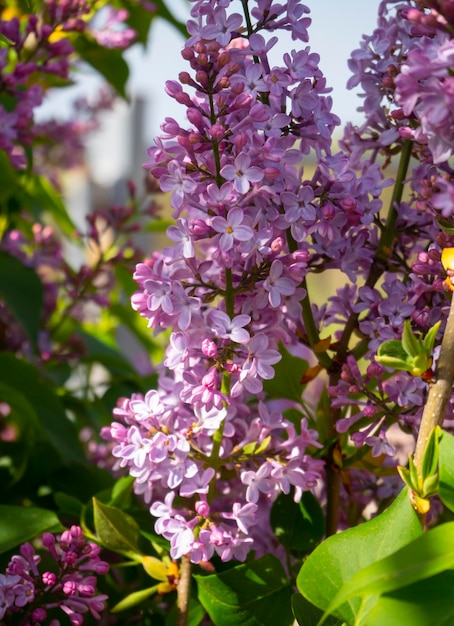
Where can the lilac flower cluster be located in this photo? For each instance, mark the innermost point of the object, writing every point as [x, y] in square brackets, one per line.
[30, 596]
[401, 69]
[250, 227]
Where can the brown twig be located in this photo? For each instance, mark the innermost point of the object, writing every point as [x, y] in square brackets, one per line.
[184, 591]
[440, 391]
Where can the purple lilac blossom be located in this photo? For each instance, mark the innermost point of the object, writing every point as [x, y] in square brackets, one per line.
[251, 226]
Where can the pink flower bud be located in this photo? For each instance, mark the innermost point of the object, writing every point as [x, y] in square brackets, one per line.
[217, 131]
[209, 348]
[49, 578]
[406, 133]
[187, 54]
[202, 508]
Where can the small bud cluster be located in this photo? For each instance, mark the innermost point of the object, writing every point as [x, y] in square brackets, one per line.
[29, 594]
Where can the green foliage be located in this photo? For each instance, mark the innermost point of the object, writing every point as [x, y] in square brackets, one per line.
[446, 470]
[341, 556]
[426, 556]
[22, 292]
[109, 63]
[19, 524]
[410, 354]
[299, 526]
[306, 614]
[256, 593]
[54, 424]
[288, 375]
[116, 530]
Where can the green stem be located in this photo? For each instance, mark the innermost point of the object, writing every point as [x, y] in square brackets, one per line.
[247, 17]
[389, 232]
[311, 329]
[229, 294]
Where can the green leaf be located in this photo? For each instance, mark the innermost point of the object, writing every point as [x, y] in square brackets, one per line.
[8, 177]
[307, 614]
[409, 342]
[165, 14]
[426, 603]
[138, 19]
[392, 354]
[298, 526]
[68, 505]
[155, 568]
[28, 381]
[287, 380]
[429, 339]
[429, 554]
[251, 594]
[446, 470]
[431, 456]
[116, 530]
[121, 491]
[22, 291]
[340, 556]
[133, 599]
[45, 198]
[22, 523]
[108, 62]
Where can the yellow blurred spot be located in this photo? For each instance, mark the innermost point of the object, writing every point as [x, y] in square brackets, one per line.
[447, 258]
[57, 35]
[9, 13]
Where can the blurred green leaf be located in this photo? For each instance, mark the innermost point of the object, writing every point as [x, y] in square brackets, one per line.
[256, 593]
[139, 19]
[43, 197]
[68, 505]
[426, 603]
[134, 599]
[22, 291]
[287, 380]
[8, 177]
[165, 14]
[28, 381]
[108, 62]
[446, 470]
[122, 491]
[22, 523]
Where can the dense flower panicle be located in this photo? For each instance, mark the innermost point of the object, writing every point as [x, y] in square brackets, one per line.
[250, 227]
[31, 595]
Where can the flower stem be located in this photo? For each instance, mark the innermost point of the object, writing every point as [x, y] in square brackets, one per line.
[439, 392]
[184, 591]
